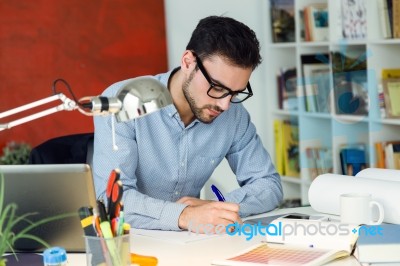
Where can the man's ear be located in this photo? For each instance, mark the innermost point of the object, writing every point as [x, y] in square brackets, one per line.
[188, 62]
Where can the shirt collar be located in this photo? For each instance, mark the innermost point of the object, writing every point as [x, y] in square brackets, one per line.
[171, 109]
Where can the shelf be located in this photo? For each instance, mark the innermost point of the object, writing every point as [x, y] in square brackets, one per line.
[317, 115]
[386, 41]
[295, 180]
[283, 45]
[313, 44]
[348, 42]
[388, 121]
[333, 130]
[285, 112]
[351, 118]
[289, 179]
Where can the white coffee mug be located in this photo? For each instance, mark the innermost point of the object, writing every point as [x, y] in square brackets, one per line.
[357, 208]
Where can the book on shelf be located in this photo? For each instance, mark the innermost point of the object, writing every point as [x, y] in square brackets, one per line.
[391, 93]
[286, 135]
[282, 21]
[389, 78]
[380, 155]
[395, 18]
[383, 246]
[388, 154]
[352, 158]
[350, 83]
[278, 135]
[291, 149]
[389, 14]
[385, 23]
[354, 19]
[266, 254]
[302, 27]
[319, 161]
[320, 82]
[316, 22]
[316, 82]
[392, 156]
[390, 73]
[287, 89]
[381, 101]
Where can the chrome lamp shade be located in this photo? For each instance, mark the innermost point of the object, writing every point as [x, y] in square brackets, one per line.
[141, 96]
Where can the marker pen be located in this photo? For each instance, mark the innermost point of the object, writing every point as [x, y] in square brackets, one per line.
[86, 216]
[108, 235]
[121, 220]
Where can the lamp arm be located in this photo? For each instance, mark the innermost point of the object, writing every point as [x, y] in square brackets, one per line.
[138, 97]
[67, 105]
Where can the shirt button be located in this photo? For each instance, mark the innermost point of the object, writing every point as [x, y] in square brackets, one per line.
[176, 193]
[182, 164]
[212, 161]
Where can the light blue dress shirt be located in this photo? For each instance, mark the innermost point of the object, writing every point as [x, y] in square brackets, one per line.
[161, 161]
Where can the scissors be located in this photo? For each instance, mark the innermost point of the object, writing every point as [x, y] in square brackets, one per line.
[114, 193]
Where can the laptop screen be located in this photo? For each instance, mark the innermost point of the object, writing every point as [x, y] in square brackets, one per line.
[46, 191]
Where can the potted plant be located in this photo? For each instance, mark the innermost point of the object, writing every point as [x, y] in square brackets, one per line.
[15, 153]
[9, 219]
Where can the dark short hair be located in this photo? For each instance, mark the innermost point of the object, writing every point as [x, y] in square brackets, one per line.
[226, 37]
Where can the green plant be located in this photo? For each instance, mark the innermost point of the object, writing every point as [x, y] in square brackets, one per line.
[9, 219]
[15, 153]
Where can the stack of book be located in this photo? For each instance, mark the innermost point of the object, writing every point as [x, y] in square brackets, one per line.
[389, 13]
[389, 93]
[316, 82]
[352, 158]
[319, 161]
[388, 154]
[315, 22]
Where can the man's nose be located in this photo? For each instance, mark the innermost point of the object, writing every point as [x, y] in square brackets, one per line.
[224, 102]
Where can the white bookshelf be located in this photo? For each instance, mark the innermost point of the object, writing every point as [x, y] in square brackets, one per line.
[332, 130]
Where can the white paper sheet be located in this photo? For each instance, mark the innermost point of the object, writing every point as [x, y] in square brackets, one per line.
[380, 174]
[326, 189]
[180, 237]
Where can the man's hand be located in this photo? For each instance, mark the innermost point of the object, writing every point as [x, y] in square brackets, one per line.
[209, 216]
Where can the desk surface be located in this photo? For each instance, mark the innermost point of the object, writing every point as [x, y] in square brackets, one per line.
[200, 252]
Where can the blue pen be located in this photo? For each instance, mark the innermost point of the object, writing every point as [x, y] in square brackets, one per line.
[217, 193]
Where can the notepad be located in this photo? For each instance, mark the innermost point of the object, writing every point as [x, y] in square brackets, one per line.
[379, 244]
[282, 255]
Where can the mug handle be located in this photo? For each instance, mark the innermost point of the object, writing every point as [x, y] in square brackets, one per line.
[381, 212]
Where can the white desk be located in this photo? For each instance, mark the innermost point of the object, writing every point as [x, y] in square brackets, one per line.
[201, 252]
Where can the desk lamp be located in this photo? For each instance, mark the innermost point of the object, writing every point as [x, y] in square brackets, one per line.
[140, 96]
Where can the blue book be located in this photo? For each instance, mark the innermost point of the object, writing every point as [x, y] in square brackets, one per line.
[352, 161]
[379, 243]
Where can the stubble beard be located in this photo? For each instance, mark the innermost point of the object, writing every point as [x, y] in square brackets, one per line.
[197, 111]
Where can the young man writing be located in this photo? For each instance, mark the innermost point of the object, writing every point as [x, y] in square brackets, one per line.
[166, 157]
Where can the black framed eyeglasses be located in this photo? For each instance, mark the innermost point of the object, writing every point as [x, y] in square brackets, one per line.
[218, 91]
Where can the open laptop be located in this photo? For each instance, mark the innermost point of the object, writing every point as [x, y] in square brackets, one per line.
[49, 190]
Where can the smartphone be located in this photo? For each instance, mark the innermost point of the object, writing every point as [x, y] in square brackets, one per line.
[297, 216]
[300, 216]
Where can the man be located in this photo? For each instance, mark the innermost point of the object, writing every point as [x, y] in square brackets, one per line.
[166, 157]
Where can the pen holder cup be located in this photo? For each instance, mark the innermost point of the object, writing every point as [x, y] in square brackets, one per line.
[108, 251]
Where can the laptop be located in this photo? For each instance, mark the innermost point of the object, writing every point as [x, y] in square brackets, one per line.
[49, 190]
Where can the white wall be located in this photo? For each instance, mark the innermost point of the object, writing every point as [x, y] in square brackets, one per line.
[182, 17]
